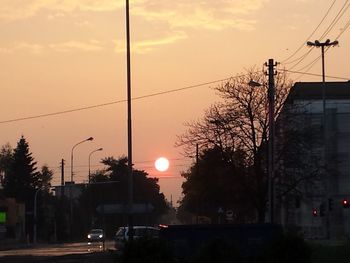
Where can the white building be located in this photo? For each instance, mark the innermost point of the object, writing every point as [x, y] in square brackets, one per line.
[319, 211]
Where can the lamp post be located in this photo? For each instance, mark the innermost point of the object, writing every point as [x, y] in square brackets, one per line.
[70, 186]
[100, 149]
[35, 216]
[322, 45]
[71, 156]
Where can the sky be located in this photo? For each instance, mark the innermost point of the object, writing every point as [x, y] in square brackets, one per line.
[68, 57]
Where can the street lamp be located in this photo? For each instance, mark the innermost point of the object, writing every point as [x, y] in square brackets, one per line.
[35, 215]
[100, 149]
[71, 156]
[322, 45]
[71, 178]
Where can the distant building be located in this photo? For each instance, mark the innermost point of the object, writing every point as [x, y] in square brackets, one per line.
[12, 218]
[322, 210]
[69, 190]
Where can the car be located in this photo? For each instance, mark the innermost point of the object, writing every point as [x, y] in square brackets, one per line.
[122, 235]
[96, 235]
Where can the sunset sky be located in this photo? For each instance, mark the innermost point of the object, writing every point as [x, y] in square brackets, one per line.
[62, 55]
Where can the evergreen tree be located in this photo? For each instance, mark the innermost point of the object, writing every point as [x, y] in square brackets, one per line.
[21, 180]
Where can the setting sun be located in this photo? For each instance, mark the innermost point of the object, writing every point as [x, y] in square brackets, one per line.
[162, 164]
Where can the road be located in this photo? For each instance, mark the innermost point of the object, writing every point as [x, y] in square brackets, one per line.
[72, 252]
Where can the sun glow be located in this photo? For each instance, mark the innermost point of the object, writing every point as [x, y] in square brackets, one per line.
[162, 164]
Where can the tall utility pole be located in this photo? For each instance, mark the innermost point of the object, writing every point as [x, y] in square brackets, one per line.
[271, 144]
[271, 139]
[322, 45]
[130, 176]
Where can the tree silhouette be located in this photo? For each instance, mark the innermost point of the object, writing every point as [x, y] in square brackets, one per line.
[110, 186]
[6, 158]
[43, 179]
[239, 124]
[21, 180]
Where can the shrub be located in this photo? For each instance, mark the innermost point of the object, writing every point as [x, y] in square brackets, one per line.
[146, 250]
[218, 251]
[288, 248]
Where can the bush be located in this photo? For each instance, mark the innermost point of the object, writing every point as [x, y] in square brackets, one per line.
[218, 251]
[288, 248]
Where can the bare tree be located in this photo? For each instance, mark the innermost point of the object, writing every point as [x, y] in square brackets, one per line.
[239, 122]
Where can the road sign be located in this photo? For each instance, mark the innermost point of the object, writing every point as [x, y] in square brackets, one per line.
[142, 208]
[229, 215]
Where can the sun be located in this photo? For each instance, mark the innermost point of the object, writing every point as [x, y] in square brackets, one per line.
[162, 164]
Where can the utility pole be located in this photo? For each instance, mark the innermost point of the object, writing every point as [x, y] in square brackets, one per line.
[130, 175]
[322, 45]
[197, 174]
[271, 143]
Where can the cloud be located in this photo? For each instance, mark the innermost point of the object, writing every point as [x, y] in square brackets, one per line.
[148, 45]
[208, 14]
[5, 50]
[69, 46]
[22, 47]
[21, 9]
[84, 23]
[90, 46]
[211, 15]
[174, 17]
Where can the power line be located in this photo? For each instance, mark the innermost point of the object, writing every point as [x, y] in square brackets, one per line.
[313, 32]
[313, 74]
[112, 103]
[343, 29]
[335, 20]
[136, 162]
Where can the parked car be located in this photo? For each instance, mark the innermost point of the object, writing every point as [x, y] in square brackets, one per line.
[122, 235]
[96, 235]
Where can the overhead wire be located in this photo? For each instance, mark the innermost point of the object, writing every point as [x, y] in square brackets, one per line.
[314, 74]
[313, 32]
[335, 20]
[135, 98]
[113, 102]
[343, 29]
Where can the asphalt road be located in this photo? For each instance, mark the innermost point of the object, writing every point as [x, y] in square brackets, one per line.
[68, 253]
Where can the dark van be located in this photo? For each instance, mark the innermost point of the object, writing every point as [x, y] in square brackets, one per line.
[250, 239]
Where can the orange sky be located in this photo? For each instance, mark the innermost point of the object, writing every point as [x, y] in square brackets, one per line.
[58, 55]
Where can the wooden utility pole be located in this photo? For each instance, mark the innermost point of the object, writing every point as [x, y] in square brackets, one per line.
[271, 144]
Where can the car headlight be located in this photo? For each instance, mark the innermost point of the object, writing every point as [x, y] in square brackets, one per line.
[100, 236]
[89, 236]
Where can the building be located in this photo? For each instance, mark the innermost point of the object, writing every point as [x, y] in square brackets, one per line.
[12, 222]
[321, 210]
[69, 190]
